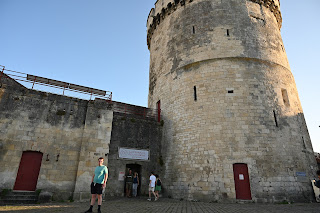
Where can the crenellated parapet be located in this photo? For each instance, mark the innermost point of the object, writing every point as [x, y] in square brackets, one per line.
[155, 19]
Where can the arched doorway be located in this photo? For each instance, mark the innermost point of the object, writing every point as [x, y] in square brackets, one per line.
[29, 168]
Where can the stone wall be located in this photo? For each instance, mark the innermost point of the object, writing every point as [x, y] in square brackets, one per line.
[228, 96]
[135, 132]
[164, 8]
[71, 133]
[95, 143]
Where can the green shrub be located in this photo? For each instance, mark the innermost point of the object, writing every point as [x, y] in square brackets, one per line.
[38, 191]
[4, 192]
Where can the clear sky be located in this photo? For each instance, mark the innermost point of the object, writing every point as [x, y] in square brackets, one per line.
[102, 44]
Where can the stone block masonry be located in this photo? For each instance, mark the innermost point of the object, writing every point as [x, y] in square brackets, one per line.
[134, 132]
[228, 97]
[70, 133]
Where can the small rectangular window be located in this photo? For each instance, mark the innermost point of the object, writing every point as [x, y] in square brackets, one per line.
[195, 93]
[159, 110]
[228, 32]
[193, 29]
[275, 118]
[230, 91]
[303, 143]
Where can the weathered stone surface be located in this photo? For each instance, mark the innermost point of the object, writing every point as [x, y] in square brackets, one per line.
[64, 129]
[230, 55]
[45, 197]
[72, 134]
[137, 133]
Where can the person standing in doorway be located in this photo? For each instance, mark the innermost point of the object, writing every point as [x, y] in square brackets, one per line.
[98, 183]
[152, 183]
[129, 180]
[135, 184]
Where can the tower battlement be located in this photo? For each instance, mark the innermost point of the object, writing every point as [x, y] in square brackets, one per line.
[164, 8]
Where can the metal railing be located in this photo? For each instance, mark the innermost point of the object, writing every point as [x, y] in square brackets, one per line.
[99, 94]
[60, 85]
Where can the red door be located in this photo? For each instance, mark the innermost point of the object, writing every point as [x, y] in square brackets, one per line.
[28, 172]
[242, 181]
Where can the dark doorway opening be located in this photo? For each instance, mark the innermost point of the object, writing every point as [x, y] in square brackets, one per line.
[134, 168]
[29, 168]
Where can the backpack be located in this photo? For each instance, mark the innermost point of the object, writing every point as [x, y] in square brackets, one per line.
[158, 182]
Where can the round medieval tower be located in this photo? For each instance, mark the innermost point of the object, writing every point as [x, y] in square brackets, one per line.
[233, 123]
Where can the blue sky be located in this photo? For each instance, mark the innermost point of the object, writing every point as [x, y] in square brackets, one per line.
[102, 44]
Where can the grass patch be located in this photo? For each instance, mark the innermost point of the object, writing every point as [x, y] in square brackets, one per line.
[283, 202]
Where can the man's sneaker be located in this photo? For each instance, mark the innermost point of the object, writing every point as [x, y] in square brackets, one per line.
[149, 199]
[99, 211]
[156, 199]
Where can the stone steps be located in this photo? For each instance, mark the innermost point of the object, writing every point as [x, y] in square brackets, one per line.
[20, 197]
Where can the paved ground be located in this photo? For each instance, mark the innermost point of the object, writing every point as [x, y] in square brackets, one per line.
[130, 205]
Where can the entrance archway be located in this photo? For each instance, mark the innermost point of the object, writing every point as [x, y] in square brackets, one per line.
[134, 168]
[29, 168]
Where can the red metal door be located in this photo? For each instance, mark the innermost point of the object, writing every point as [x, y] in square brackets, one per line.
[28, 172]
[242, 181]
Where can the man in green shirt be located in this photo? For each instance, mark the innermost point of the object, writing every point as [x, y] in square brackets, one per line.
[98, 183]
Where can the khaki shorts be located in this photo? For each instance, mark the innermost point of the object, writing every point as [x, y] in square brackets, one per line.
[128, 185]
[151, 189]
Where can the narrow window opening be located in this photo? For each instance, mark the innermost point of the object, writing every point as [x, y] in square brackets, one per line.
[303, 143]
[275, 118]
[230, 91]
[193, 29]
[228, 32]
[159, 110]
[285, 97]
[195, 93]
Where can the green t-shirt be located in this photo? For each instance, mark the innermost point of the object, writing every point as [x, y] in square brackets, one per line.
[99, 174]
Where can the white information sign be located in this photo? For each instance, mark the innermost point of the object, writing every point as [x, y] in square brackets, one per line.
[241, 177]
[121, 176]
[136, 154]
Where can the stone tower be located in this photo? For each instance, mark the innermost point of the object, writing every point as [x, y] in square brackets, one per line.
[233, 123]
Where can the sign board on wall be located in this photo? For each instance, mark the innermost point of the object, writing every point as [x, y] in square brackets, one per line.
[241, 177]
[121, 176]
[302, 177]
[135, 154]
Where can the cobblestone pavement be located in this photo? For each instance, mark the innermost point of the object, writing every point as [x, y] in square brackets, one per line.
[141, 205]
